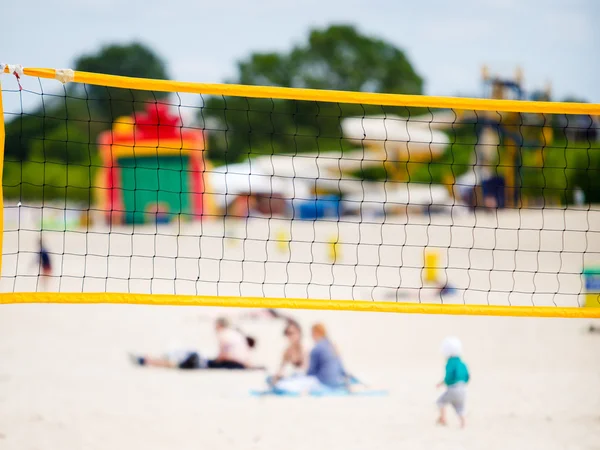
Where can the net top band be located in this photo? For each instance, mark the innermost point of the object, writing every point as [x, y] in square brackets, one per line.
[316, 95]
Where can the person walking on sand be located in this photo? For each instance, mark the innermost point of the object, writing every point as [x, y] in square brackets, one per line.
[44, 266]
[456, 379]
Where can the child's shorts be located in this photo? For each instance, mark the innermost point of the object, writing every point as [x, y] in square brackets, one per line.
[455, 395]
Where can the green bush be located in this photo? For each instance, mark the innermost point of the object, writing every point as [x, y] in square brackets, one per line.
[40, 181]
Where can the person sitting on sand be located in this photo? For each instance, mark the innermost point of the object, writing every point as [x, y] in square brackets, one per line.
[455, 380]
[294, 354]
[325, 369]
[234, 353]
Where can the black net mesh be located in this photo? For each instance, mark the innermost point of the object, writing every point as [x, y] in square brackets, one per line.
[111, 190]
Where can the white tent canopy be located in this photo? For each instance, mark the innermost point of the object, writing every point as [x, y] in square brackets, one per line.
[389, 130]
[299, 176]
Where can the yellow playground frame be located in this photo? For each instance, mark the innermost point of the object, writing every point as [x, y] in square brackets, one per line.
[307, 95]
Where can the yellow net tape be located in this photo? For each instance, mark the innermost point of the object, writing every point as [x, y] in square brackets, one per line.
[297, 303]
[365, 98]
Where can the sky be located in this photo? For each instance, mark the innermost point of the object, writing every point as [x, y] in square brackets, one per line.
[446, 41]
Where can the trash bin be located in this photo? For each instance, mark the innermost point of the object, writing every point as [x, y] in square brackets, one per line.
[320, 208]
[591, 276]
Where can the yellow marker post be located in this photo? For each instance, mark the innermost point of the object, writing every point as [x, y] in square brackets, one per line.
[431, 266]
[283, 239]
[334, 249]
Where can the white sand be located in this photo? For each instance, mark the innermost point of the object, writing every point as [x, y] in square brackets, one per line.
[65, 382]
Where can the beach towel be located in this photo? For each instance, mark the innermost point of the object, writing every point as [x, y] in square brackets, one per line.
[322, 391]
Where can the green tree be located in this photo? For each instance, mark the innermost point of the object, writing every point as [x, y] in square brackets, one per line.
[574, 99]
[68, 144]
[20, 134]
[57, 113]
[132, 60]
[50, 152]
[338, 58]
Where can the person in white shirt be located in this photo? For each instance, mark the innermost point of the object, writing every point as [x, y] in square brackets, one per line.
[234, 347]
[234, 352]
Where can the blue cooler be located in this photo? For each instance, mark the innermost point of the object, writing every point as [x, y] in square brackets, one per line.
[319, 208]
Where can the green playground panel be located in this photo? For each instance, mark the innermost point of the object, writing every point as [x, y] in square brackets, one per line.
[591, 276]
[592, 279]
[152, 181]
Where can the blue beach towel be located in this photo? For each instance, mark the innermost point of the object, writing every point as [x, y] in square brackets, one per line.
[332, 393]
[323, 391]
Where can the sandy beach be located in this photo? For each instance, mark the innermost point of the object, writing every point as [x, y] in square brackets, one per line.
[66, 382]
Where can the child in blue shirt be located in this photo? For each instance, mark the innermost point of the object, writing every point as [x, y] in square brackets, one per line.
[455, 380]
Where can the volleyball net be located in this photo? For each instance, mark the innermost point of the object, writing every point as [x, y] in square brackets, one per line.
[128, 190]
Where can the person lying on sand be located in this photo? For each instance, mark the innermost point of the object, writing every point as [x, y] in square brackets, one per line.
[456, 379]
[325, 369]
[234, 353]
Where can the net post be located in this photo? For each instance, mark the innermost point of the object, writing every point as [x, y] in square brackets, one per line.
[2, 139]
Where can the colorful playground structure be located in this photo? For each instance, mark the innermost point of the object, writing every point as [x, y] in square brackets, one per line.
[494, 176]
[494, 179]
[153, 169]
[516, 132]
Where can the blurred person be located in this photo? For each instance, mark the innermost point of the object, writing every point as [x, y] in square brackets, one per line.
[44, 265]
[243, 206]
[294, 353]
[325, 368]
[456, 379]
[234, 352]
